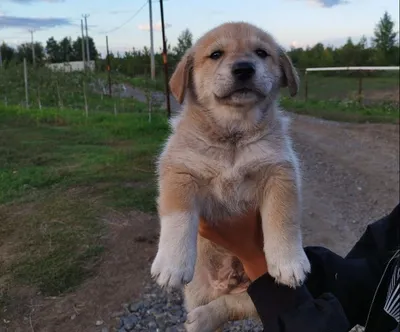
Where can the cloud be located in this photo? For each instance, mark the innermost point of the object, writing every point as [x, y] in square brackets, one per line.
[13, 22]
[156, 26]
[329, 3]
[24, 2]
[296, 44]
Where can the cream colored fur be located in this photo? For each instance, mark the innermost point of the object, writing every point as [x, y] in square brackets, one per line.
[228, 152]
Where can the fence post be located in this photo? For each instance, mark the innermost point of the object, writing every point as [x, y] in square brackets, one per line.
[306, 86]
[85, 99]
[109, 69]
[360, 88]
[26, 84]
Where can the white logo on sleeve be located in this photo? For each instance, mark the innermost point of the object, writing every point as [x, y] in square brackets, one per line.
[392, 305]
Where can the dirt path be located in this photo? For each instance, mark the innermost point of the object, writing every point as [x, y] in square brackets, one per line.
[351, 177]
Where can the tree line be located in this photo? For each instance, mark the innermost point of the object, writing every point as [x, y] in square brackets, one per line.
[54, 51]
[382, 50]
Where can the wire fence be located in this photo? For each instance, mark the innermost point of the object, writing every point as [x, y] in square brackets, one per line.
[375, 88]
[129, 88]
[365, 87]
[87, 90]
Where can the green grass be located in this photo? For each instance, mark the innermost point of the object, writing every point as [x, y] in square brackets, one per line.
[320, 87]
[346, 111]
[59, 173]
[63, 91]
[332, 97]
[340, 87]
[145, 82]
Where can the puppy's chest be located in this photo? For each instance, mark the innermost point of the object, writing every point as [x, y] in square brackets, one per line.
[230, 180]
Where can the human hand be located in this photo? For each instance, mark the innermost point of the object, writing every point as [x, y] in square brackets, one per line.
[242, 236]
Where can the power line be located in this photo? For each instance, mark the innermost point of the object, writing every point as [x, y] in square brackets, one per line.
[126, 22]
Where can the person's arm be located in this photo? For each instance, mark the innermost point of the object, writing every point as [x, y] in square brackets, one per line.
[283, 309]
[353, 280]
[341, 288]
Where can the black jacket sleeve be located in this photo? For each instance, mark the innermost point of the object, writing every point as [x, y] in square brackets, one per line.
[338, 292]
[353, 280]
[283, 309]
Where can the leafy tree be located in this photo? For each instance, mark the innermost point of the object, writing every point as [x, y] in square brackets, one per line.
[94, 54]
[7, 53]
[25, 51]
[77, 49]
[53, 50]
[185, 41]
[66, 49]
[385, 39]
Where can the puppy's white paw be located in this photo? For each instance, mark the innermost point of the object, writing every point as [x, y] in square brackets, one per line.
[173, 268]
[201, 320]
[289, 269]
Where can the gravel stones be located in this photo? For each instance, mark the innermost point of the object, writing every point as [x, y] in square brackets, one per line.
[160, 311]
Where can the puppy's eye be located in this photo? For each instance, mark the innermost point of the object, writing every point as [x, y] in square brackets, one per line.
[261, 53]
[216, 55]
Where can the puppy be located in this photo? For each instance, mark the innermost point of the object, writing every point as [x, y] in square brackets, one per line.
[229, 151]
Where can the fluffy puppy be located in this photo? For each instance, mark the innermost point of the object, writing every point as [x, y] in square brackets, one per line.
[229, 151]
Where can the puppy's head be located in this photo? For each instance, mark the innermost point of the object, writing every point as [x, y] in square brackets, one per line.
[235, 64]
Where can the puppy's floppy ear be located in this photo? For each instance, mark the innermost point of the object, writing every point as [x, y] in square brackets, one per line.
[180, 78]
[290, 77]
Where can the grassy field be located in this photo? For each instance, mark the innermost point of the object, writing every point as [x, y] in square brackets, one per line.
[59, 173]
[332, 98]
[346, 111]
[338, 87]
[63, 90]
[329, 97]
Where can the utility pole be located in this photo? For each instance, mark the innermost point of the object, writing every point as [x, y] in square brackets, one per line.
[33, 47]
[87, 39]
[165, 60]
[152, 61]
[108, 69]
[1, 58]
[83, 45]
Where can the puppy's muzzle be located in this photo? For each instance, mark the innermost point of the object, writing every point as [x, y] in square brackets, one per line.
[243, 70]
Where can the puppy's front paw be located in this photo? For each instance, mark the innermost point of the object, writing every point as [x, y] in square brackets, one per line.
[289, 269]
[173, 268]
[201, 320]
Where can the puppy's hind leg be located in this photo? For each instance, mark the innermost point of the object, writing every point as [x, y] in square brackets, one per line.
[212, 316]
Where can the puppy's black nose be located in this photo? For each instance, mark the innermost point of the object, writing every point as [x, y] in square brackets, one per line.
[243, 70]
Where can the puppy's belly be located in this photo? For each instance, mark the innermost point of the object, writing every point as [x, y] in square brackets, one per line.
[217, 272]
[218, 202]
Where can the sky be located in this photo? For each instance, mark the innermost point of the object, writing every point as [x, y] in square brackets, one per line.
[296, 23]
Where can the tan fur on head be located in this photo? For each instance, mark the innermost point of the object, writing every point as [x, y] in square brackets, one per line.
[226, 38]
[229, 151]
